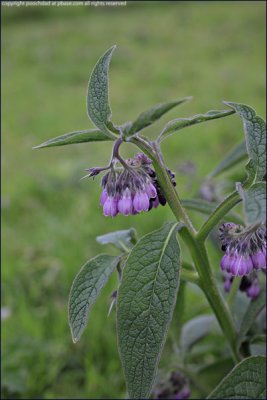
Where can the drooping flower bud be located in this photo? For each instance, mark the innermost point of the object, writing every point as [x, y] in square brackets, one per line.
[259, 259]
[141, 201]
[125, 204]
[254, 290]
[110, 208]
[103, 197]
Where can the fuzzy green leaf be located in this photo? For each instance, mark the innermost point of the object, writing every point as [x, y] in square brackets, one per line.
[254, 201]
[119, 238]
[245, 381]
[253, 310]
[146, 301]
[150, 116]
[255, 135]
[85, 289]
[89, 135]
[98, 108]
[234, 157]
[179, 123]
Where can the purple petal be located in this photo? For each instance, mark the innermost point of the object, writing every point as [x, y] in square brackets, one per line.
[125, 204]
[225, 262]
[259, 260]
[254, 290]
[151, 191]
[103, 197]
[110, 208]
[141, 202]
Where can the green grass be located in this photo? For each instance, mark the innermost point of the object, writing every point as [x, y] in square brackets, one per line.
[213, 51]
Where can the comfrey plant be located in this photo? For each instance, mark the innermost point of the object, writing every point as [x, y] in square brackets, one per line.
[152, 272]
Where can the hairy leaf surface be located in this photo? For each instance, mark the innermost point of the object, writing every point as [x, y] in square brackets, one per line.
[146, 301]
[245, 381]
[254, 201]
[179, 123]
[89, 135]
[85, 289]
[150, 116]
[255, 135]
[97, 97]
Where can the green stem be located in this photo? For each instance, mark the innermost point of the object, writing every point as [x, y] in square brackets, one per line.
[190, 276]
[222, 209]
[196, 247]
[233, 290]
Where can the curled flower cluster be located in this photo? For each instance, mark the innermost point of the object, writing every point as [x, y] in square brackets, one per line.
[245, 250]
[249, 284]
[176, 388]
[131, 189]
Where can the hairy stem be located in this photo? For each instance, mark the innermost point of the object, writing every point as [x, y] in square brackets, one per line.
[196, 247]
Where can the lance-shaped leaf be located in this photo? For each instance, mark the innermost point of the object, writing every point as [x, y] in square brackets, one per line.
[179, 123]
[85, 290]
[150, 116]
[121, 239]
[255, 135]
[234, 157]
[245, 381]
[98, 108]
[253, 310]
[254, 201]
[207, 207]
[146, 301]
[89, 135]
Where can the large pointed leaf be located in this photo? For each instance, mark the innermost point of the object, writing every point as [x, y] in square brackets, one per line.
[245, 381]
[85, 290]
[119, 238]
[146, 301]
[150, 116]
[254, 201]
[179, 123]
[234, 157]
[97, 97]
[255, 135]
[89, 135]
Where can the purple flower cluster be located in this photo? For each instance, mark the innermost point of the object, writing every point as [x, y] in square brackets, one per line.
[249, 284]
[131, 189]
[245, 250]
[176, 387]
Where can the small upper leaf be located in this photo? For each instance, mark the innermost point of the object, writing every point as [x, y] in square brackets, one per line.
[245, 381]
[85, 289]
[254, 200]
[89, 135]
[179, 123]
[119, 238]
[146, 300]
[150, 116]
[234, 157]
[255, 135]
[97, 97]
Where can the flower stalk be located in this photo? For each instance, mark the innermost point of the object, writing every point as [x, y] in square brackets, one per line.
[196, 247]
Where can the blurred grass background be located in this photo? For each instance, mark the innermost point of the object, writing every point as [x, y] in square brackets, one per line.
[213, 51]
